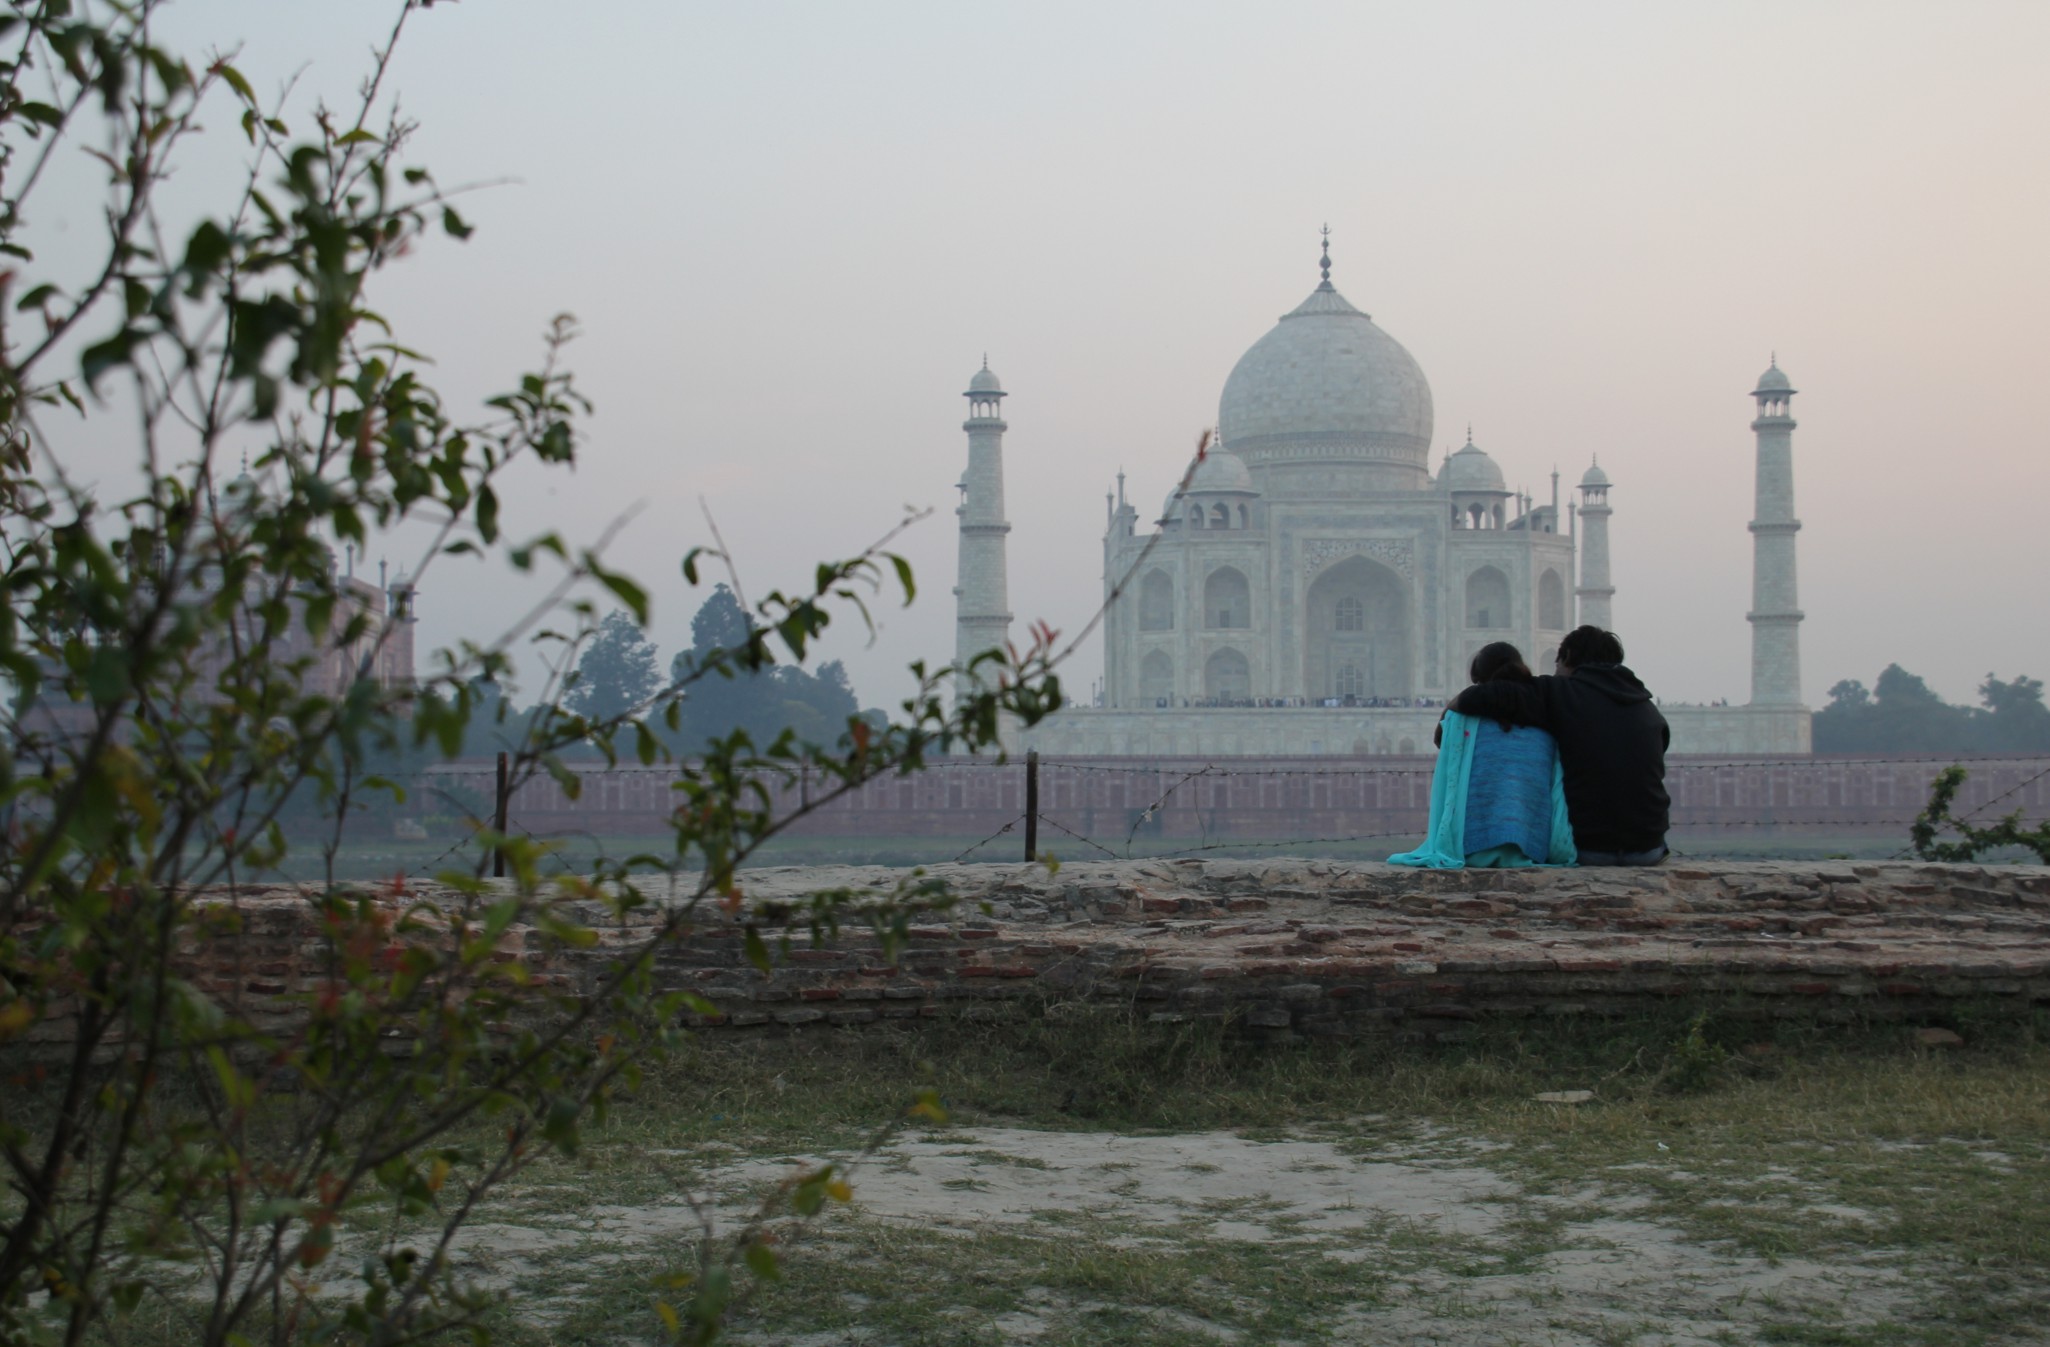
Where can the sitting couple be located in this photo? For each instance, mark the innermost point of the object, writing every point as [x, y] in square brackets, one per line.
[1563, 769]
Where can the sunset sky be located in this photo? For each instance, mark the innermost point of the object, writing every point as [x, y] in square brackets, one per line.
[790, 232]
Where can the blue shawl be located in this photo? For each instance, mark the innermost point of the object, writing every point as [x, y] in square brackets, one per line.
[1497, 799]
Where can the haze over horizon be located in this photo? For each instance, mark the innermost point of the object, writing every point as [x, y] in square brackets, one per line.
[790, 232]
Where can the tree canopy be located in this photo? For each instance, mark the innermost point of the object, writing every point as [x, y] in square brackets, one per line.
[194, 694]
[1901, 713]
[763, 702]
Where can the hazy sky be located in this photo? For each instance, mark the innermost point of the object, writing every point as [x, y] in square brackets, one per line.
[791, 231]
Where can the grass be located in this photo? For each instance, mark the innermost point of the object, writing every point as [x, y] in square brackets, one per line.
[1843, 1149]
[1844, 1188]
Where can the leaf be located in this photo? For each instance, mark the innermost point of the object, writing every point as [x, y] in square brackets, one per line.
[487, 513]
[36, 298]
[357, 137]
[560, 1126]
[318, 1243]
[757, 952]
[903, 569]
[16, 1016]
[713, 1295]
[762, 1261]
[572, 785]
[235, 81]
[927, 1106]
[628, 593]
[41, 113]
[453, 223]
[102, 356]
[206, 250]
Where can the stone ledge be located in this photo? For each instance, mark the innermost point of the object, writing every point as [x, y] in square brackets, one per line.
[1294, 946]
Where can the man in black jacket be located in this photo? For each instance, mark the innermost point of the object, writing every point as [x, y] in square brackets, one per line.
[1612, 745]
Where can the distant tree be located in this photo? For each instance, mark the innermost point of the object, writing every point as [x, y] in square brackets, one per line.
[497, 724]
[762, 701]
[1903, 714]
[618, 673]
[2017, 720]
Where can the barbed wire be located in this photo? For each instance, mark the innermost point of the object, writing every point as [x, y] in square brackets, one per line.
[422, 871]
[1054, 766]
[1979, 809]
[1146, 815]
[1089, 841]
[1172, 762]
[991, 838]
[2012, 790]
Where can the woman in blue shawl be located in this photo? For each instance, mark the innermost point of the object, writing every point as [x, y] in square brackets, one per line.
[1497, 797]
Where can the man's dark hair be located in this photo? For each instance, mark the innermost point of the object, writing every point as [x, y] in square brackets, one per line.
[1590, 645]
[1498, 659]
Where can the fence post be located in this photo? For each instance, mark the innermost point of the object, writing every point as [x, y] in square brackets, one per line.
[498, 820]
[1031, 804]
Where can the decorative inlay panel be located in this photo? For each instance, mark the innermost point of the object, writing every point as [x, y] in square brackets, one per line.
[1392, 552]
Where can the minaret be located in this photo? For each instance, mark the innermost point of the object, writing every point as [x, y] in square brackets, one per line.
[1775, 604]
[982, 609]
[1595, 588]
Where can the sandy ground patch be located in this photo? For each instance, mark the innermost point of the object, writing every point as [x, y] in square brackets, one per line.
[1231, 1187]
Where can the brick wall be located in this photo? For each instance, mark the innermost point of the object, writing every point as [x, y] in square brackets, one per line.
[1308, 947]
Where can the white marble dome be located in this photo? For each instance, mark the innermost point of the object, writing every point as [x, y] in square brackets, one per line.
[1326, 383]
[1222, 470]
[1775, 380]
[985, 381]
[1594, 476]
[1471, 469]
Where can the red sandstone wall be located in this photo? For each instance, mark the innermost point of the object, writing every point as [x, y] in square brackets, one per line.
[1273, 798]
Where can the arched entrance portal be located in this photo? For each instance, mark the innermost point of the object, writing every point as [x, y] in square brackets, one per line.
[1357, 633]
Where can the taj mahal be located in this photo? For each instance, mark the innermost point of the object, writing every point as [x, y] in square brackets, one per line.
[1311, 587]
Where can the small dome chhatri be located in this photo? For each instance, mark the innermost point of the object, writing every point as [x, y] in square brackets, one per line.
[1774, 380]
[1472, 470]
[1594, 476]
[985, 380]
[1221, 470]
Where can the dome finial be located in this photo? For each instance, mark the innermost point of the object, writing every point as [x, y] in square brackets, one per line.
[1326, 263]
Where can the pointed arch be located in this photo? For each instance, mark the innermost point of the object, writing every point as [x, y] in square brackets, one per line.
[1227, 677]
[1551, 601]
[1227, 599]
[1487, 598]
[1379, 648]
[1156, 678]
[1156, 602]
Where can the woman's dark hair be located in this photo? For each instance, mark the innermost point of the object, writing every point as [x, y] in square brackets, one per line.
[1590, 645]
[1498, 659]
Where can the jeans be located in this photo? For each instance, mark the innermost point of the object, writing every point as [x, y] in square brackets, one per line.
[1651, 857]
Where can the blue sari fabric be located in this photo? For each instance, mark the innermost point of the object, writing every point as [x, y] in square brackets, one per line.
[1497, 799]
